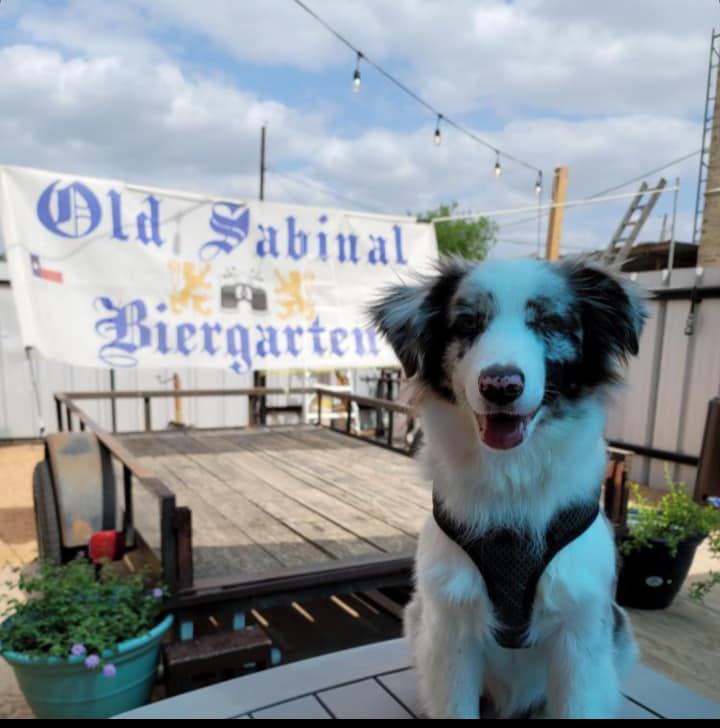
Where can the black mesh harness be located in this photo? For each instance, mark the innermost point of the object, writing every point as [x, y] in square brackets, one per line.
[511, 564]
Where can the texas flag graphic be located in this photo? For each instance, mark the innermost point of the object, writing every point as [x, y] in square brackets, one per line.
[49, 275]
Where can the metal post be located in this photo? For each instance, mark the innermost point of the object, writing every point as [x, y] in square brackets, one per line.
[319, 399]
[671, 252]
[58, 413]
[251, 408]
[262, 163]
[113, 403]
[539, 224]
[259, 405]
[36, 390]
[148, 415]
[391, 420]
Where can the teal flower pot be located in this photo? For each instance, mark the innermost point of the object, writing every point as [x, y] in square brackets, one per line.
[65, 688]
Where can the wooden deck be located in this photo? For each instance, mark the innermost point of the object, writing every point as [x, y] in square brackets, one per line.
[376, 681]
[275, 498]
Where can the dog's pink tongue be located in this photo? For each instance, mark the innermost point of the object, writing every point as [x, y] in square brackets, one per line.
[501, 431]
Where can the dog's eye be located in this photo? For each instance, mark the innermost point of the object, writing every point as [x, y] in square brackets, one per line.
[468, 324]
[540, 317]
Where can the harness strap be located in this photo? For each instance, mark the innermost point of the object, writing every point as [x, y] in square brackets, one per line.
[511, 563]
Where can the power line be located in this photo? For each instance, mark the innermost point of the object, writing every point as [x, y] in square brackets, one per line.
[616, 187]
[321, 188]
[571, 203]
[361, 56]
[647, 174]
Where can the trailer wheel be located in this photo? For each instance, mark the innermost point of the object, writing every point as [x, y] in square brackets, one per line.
[47, 521]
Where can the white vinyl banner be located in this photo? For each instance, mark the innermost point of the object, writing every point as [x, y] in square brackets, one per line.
[113, 275]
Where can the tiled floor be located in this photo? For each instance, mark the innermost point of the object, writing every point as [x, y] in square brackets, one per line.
[376, 681]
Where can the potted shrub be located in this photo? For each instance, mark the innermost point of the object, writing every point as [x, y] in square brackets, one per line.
[84, 644]
[659, 546]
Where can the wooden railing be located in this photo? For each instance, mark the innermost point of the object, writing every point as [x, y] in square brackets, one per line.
[176, 521]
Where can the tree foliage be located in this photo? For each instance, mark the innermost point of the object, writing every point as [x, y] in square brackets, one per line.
[471, 239]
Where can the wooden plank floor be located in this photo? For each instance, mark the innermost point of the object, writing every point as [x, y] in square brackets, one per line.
[376, 681]
[282, 497]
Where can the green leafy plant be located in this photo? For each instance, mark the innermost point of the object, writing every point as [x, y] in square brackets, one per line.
[469, 239]
[72, 611]
[675, 518]
[700, 589]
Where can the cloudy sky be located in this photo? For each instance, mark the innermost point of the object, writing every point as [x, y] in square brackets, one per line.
[174, 92]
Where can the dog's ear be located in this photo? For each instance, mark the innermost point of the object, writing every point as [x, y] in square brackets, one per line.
[612, 312]
[398, 315]
[413, 317]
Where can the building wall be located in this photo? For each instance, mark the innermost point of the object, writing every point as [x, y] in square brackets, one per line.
[669, 385]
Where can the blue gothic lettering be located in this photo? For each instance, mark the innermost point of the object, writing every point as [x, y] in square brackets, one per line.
[71, 212]
[230, 220]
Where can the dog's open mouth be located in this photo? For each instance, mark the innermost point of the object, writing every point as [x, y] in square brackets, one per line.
[502, 431]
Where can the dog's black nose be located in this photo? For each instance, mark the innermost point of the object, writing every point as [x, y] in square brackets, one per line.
[501, 384]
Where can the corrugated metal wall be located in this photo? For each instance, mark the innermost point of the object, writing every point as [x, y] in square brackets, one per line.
[669, 385]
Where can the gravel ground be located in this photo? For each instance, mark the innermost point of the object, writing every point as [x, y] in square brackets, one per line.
[17, 548]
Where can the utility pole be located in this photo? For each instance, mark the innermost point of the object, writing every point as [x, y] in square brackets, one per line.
[262, 164]
[557, 213]
[258, 407]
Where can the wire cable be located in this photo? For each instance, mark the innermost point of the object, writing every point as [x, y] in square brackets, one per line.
[409, 92]
[616, 187]
[321, 188]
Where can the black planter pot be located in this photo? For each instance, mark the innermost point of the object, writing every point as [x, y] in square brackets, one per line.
[650, 578]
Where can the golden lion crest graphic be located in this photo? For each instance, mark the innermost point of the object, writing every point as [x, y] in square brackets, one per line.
[294, 296]
[189, 286]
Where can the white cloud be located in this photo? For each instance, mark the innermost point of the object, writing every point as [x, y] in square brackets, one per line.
[102, 89]
[604, 58]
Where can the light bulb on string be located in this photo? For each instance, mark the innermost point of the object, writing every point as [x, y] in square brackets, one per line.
[498, 168]
[538, 183]
[356, 75]
[437, 139]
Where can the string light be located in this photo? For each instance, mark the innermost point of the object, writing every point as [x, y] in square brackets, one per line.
[356, 75]
[409, 92]
[538, 183]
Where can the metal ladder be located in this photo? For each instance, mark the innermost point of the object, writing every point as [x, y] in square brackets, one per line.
[708, 118]
[629, 228]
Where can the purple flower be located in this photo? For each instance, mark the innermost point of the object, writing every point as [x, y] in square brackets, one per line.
[92, 661]
[157, 593]
[109, 670]
[78, 649]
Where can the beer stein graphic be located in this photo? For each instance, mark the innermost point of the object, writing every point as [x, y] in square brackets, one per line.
[231, 296]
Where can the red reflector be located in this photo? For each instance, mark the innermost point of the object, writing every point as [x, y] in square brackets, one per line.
[106, 545]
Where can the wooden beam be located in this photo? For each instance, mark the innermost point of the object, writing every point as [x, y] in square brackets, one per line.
[177, 386]
[557, 213]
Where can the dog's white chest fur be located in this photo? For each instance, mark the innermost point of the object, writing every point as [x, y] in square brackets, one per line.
[573, 598]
